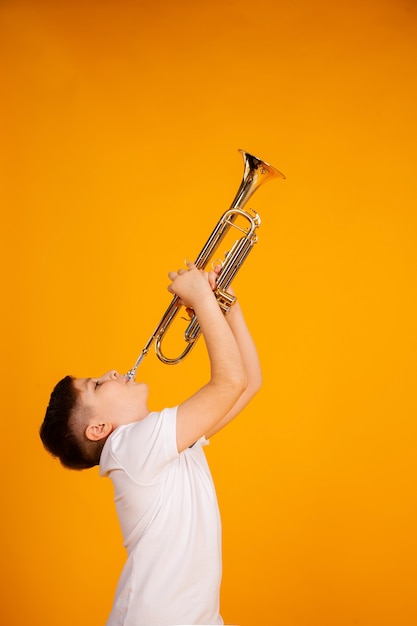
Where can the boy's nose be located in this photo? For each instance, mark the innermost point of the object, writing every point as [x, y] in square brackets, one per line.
[112, 375]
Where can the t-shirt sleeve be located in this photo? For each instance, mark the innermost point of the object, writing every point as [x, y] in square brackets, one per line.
[142, 449]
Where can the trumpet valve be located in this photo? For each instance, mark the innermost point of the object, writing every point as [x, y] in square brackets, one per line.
[225, 300]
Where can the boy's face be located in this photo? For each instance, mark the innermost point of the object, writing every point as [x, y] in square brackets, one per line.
[113, 399]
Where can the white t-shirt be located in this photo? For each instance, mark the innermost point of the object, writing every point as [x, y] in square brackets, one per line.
[168, 512]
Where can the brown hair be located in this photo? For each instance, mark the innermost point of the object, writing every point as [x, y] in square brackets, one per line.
[62, 430]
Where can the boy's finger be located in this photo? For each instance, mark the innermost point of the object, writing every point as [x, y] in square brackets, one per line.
[212, 278]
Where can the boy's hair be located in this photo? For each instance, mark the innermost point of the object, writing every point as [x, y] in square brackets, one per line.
[63, 429]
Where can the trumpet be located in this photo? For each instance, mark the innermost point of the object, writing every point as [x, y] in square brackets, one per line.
[255, 173]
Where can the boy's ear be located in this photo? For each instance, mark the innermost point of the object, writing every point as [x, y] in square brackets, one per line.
[96, 432]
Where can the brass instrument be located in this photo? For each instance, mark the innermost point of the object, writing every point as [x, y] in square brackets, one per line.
[255, 173]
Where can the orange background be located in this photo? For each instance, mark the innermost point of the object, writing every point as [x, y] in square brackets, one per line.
[120, 128]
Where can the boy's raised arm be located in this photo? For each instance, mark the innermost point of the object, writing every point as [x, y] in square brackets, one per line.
[251, 363]
[200, 413]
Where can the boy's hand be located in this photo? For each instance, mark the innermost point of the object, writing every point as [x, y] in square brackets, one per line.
[191, 285]
[188, 289]
[212, 278]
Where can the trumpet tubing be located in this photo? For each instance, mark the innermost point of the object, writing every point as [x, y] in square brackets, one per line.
[246, 223]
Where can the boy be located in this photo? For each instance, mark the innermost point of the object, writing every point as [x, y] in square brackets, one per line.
[164, 494]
